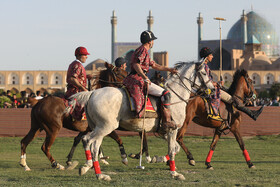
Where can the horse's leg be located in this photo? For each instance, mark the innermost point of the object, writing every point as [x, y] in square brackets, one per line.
[144, 149]
[71, 165]
[86, 145]
[92, 142]
[171, 152]
[212, 148]
[180, 137]
[235, 129]
[49, 140]
[116, 137]
[33, 132]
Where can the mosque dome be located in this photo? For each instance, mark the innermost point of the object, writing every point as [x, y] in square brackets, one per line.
[258, 27]
[96, 64]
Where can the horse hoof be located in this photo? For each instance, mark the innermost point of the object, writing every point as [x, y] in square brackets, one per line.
[83, 170]
[59, 167]
[26, 168]
[103, 177]
[125, 161]
[192, 162]
[154, 160]
[71, 165]
[177, 176]
[253, 167]
[104, 161]
[148, 159]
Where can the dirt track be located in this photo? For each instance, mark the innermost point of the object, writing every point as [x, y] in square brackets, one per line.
[16, 122]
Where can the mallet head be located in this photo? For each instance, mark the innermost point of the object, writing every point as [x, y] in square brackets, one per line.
[140, 167]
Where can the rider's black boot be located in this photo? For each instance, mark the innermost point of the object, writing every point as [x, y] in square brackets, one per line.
[166, 118]
[254, 114]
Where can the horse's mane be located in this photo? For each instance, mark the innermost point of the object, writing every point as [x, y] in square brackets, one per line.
[239, 73]
[101, 75]
[180, 65]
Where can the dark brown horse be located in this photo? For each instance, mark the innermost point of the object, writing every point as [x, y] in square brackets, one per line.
[48, 115]
[241, 88]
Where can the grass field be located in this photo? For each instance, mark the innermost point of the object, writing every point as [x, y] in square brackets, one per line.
[230, 168]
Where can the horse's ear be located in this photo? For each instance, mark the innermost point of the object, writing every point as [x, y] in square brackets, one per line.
[107, 65]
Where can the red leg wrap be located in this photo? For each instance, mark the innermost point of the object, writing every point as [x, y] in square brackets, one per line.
[88, 155]
[246, 155]
[209, 156]
[97, 167]
[167, 157]
[172, 165]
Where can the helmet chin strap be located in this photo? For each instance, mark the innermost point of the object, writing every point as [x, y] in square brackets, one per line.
[151, 45]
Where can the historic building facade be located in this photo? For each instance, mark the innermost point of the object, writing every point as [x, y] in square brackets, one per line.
[251, 44]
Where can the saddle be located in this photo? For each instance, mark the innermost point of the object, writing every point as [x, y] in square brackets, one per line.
[152, 105]
[225, 118]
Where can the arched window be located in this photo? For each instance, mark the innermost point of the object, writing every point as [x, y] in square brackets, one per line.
[56, 79]
[2, 79]
[269, 78]
[27, 79]
[42, 79]
[256, 79]
[13, 79]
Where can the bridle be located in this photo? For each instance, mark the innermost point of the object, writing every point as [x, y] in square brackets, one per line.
[193, 84]
[116, 77]
[251, 96]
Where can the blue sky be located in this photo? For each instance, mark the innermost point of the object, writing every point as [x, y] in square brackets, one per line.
[42, 35]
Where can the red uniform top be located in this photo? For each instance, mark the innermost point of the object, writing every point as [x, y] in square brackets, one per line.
[76, 70]
[135, 83]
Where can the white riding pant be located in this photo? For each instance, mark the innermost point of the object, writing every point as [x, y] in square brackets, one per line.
[155, 90]
[226, 97]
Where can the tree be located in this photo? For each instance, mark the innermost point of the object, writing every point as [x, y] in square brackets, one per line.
[274, 90]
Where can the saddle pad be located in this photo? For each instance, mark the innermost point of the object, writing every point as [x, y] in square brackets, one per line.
[210, 111]
[149, 106]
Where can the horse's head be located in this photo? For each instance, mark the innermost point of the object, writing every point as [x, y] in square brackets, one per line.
[249, 92]
[203, 82]
[192, 77]
[111, 76]
[242, 87]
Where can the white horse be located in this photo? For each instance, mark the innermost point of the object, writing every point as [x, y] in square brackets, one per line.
[108, 108]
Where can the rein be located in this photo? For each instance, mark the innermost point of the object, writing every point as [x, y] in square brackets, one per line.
[248, 97]
[184, 86]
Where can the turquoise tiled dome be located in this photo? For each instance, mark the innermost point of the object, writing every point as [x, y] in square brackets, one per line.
[258, 27]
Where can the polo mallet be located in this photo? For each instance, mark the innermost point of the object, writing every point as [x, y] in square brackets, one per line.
[143, 131]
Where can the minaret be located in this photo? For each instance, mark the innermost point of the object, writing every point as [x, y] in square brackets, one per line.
[114, 34]
[244, 28]
[150, 21]
[199, 23]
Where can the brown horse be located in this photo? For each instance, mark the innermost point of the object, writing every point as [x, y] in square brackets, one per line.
[241, 88]
[48, 115]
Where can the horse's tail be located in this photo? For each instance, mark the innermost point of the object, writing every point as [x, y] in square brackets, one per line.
[71, 105]
[81, 97]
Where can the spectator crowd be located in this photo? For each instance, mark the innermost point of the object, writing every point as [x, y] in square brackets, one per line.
[13, 100]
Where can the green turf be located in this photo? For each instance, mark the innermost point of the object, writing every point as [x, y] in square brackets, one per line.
[230, 168]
